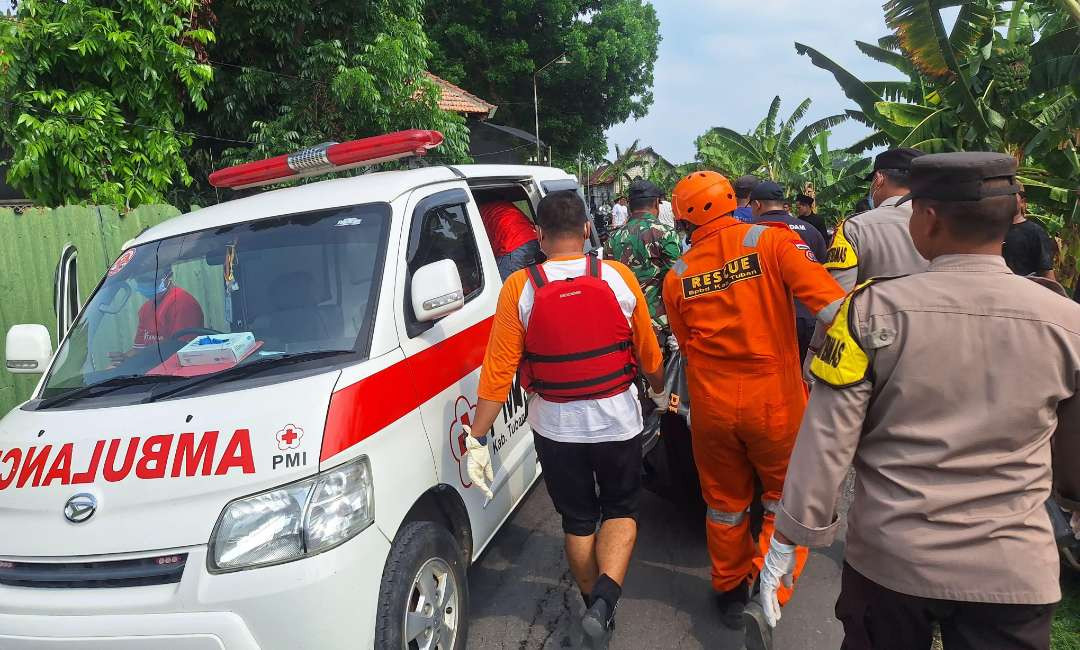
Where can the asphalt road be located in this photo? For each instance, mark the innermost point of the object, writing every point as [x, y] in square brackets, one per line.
[523, 597]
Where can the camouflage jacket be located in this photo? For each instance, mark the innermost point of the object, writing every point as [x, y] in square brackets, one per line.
[648, 247]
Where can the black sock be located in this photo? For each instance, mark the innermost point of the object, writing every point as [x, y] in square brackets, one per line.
[607, 589]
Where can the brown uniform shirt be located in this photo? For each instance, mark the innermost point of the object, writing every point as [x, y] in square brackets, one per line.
[966, 382]
[874, 244]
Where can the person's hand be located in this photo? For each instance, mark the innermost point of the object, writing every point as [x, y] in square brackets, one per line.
[672, 344]
[661, 398]
[779, 569]
[478, 463]
[1075, 523]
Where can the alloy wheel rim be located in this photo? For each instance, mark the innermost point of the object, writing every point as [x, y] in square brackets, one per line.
[431, 614]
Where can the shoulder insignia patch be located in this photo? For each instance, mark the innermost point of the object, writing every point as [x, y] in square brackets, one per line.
[807, 251]
[841, 362]
[679, 267]
[841, 254]
[736, 270]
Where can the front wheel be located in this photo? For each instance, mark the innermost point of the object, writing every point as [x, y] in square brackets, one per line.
[424, 597]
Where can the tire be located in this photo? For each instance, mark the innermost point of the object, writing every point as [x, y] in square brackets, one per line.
[424, 560]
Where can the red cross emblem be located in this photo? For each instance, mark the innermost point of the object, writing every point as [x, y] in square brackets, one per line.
[463, 412]
[289, 437]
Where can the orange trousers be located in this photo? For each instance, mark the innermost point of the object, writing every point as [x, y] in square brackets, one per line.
[743, 423]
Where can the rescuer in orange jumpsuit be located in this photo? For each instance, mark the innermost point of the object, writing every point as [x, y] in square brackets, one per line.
[729, 303]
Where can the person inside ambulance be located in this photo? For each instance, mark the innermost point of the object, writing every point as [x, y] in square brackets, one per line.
[578, 329]
[168, 310]
[729, 304]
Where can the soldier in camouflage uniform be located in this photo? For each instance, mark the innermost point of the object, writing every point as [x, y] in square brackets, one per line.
[649, 248]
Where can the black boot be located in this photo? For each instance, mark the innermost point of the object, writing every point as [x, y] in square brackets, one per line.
[599, 619]
[732, 603]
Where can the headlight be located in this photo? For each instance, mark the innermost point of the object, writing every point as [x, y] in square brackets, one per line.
[296, 520]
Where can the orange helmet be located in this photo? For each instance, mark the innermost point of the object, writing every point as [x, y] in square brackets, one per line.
[703, 196]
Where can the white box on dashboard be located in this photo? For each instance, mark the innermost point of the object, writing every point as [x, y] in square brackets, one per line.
[215, 349]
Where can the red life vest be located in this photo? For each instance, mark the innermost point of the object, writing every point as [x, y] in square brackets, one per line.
[578, 342]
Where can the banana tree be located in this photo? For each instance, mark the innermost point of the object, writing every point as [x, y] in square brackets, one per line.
[774, 149]
[836, 176]
[1002, 79]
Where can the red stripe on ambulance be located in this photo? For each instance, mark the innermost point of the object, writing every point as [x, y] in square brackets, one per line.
[114, 460]
[371, 404]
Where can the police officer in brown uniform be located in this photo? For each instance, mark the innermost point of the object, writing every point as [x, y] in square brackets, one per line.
[877, 243]
[954, 394]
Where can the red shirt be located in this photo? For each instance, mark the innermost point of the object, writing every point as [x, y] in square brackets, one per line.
[507, 227]
[176, 310]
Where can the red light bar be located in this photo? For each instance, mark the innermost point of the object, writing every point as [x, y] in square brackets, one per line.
[328, 157]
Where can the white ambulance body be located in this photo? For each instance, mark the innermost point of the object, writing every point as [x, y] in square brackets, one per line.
[312, 496]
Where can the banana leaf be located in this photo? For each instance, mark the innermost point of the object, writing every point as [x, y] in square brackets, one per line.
[888, 57]
[872, 141]
[813, 129]
[933, 145]
[855, 89]
[1053, 74]
[936, 126]
[1052, 46]
[784, 136]
[741, 143]
[906, 115]
[898, 91]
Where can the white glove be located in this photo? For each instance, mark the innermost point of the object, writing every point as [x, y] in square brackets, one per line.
[478, 464]
[779, 568]
[661, 399]
[1075, 523]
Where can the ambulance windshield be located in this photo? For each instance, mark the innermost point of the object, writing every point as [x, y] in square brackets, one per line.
[209, 301]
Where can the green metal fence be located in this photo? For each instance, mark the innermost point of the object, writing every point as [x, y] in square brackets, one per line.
[30, 247]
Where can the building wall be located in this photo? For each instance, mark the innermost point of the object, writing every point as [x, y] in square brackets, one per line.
[30, 247]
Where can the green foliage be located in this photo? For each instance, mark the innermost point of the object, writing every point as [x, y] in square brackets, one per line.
[93, 96]
[1002, 80]
[318, 72]
[493, 47]
[795, 160]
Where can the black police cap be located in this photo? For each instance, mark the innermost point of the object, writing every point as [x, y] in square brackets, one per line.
[804, 199]
[743, 185]
[953, 177]
[767, 191]
[644, 189]
[899, 159]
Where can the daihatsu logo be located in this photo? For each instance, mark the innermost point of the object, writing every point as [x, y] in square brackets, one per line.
[80, 507]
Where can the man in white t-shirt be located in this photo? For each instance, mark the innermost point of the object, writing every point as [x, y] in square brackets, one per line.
[587, 431]
[619, 213]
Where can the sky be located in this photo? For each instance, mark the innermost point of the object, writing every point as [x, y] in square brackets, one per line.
[721, 62]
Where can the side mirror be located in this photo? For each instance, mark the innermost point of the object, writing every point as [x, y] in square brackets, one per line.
[436, 291]
[29, 348]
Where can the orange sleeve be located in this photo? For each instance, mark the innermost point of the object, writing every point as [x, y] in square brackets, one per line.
[506, 343]
[645, 344]
[808, 279]
[672, 306]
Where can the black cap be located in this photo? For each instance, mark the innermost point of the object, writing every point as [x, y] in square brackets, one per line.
[899, 159]
[767, 191]
[644, 189]
[955, 177]
[805, 199]
[743, 185]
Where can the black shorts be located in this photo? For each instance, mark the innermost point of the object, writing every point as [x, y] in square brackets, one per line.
[591, 482]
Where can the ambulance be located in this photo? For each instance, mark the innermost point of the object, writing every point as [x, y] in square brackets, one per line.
[251, 437]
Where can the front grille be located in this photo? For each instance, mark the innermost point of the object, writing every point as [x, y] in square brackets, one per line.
[162, 570]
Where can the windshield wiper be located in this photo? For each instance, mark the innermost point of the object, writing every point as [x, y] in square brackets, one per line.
[102, 387]
[245, 370]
